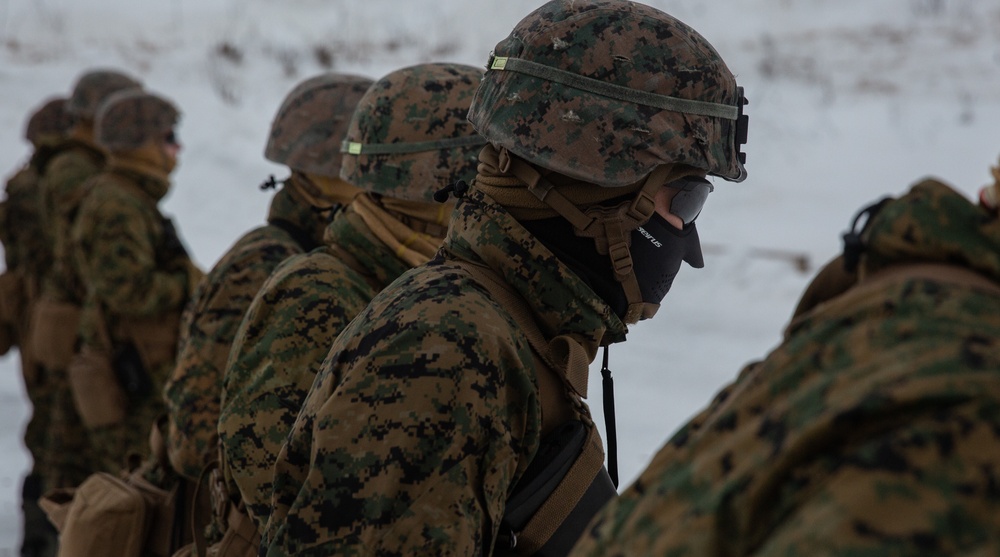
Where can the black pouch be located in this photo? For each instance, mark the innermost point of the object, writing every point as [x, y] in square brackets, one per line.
[131, 372]
[556, 455]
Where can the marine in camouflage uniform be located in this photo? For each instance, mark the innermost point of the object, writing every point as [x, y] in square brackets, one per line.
[137, 271]
[394, 226]
[27, 257]
[305, 135]
[432, 404]
[873, 429]
[67, 459]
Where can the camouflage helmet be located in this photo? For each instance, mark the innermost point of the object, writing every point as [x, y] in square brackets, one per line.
[50, 121]
[93, 87]
[604, 91]
[129, 118]
[409, 134]
[308, 129]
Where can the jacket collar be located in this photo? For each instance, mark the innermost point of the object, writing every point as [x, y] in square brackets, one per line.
[482, 231]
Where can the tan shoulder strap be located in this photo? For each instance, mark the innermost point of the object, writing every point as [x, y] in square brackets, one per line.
[553, 400]
[555, 411]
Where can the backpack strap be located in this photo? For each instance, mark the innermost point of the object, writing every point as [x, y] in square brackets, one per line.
[560, 519]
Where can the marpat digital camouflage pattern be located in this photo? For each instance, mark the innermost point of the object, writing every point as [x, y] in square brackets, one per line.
[426, 411]
[410, 130]
[605, 91]
[50, 124]
[873, 429]
[209, 325]
[305, 135]
[311, 298]
[21, 218]
[119, 239]
[310, 125]
[281, 342]
[129, 118]
[28, 256]
[93, 88]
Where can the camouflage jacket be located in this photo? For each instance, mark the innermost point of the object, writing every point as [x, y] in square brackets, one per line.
[21, 229]
[426, 411]
[64, 185]
[209, 325]
[123, 252]
[873, 429]
[282, 341]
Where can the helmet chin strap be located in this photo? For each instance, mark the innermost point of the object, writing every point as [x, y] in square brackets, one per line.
[609, 227]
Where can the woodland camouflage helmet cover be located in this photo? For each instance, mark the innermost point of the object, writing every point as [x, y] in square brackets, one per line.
[410, 136]
[50, 121]
[129, 118]
[93, 87]
[604, 91]
[310, 125]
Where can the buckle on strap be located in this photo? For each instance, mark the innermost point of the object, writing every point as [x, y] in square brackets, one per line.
[621, 259]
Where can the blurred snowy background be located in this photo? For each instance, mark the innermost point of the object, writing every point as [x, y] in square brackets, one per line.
[849, 100]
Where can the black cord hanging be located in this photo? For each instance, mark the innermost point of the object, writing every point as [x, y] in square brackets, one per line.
[608, 385]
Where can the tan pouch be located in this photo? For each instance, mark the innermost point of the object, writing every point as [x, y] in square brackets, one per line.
[53, 336]
[98, 395]
[241, 538]
[161, 538]
[108, 516]
[55, 504]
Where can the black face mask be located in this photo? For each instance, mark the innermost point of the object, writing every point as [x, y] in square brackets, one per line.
[657, 251]
[655, 267]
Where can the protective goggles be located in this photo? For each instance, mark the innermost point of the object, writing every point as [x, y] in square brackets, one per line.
[687, 203]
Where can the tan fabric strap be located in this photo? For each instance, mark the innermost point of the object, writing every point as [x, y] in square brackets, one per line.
[566, 496]
[581, 474]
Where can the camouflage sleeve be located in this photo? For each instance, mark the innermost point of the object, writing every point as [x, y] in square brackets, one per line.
[283, 339]
[416, 449]
[208, 328]
[118, 258]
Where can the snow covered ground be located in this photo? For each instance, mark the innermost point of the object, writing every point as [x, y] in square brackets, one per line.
[850, 100]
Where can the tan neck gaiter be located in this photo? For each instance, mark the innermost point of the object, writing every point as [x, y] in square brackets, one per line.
[414, 241]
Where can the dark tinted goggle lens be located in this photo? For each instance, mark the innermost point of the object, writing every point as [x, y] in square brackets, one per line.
[171, 138]
[687, 203]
